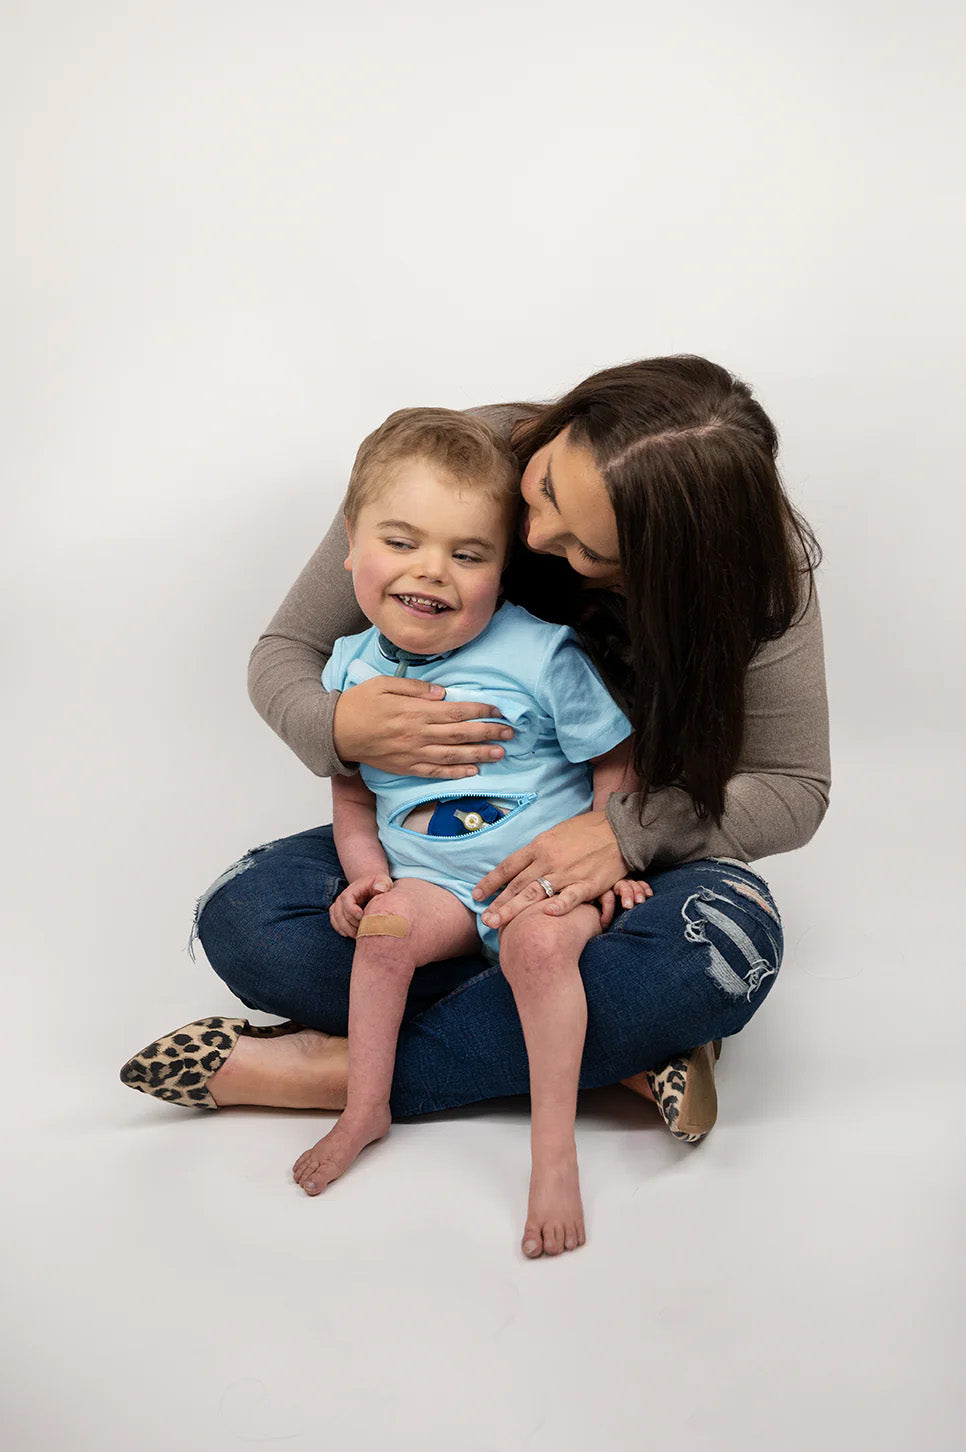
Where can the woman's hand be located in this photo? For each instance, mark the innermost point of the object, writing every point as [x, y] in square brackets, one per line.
[408, 728]
[345, 914]
[579, 858]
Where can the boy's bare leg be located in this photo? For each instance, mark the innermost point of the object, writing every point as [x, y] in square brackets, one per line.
[414, 923]
[539, 956]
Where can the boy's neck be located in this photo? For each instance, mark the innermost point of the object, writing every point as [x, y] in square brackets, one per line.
[406, 657]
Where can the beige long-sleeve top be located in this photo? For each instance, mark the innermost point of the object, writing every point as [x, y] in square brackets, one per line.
[774, 802]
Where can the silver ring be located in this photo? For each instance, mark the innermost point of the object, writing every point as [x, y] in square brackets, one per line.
[546, 886]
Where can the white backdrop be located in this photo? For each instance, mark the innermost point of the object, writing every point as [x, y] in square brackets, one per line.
[241, 231]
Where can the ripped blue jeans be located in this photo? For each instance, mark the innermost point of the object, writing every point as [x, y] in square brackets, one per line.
[691, 964]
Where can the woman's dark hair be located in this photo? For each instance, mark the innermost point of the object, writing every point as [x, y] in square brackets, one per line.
[712, 559]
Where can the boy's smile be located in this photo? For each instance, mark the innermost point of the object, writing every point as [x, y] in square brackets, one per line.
[426, 556]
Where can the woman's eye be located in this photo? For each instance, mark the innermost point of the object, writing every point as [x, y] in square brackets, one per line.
[544, 489]
[586, 555]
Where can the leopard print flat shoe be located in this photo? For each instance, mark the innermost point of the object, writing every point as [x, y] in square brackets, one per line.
[178, 1067]
[684, 1092]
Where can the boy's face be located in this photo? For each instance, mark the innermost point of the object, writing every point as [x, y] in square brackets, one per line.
[426, 557]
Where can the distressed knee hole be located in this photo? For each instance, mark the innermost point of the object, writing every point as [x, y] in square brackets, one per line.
[236, 869]
[755, 896]
[714, 921]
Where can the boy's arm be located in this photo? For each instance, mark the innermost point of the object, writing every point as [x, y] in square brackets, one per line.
[613, 772]
[354, 829]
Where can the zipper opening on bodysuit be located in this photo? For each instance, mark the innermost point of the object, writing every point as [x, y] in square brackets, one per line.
[522, 799]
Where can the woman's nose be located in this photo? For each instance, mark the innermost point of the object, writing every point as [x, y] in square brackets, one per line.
[540, 532]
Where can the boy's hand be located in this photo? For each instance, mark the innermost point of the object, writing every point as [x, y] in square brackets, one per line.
[345, 914]
[630, 890]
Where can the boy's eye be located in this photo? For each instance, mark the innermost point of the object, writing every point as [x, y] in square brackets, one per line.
[399, 544]
[465, 559]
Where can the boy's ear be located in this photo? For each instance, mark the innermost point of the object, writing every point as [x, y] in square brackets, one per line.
[347, 562]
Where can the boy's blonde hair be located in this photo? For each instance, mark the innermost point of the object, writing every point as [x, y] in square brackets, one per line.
[460, 446]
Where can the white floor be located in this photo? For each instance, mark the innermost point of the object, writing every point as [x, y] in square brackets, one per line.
[796, 1281]
[243, 233]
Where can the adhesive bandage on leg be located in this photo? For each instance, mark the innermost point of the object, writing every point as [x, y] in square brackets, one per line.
[383, 925]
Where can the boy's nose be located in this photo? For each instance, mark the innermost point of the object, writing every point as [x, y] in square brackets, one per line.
[430, 567]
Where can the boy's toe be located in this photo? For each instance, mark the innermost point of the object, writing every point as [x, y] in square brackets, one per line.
[306, 1168]
[532, 1243]
[312, 1180]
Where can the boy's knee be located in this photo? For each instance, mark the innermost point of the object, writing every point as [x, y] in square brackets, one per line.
[386, 916]
[383, 925]
[530, 945]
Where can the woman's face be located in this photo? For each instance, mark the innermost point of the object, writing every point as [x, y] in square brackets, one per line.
[568, 512]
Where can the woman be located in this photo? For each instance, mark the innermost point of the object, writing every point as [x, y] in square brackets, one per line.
[656, 524]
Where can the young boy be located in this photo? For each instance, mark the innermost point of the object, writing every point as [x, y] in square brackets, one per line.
[430, 510]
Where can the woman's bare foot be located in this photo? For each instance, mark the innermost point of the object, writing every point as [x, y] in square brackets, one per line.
[335, 1151]
[639, 1084]
[555, 1214]
[304, 1070]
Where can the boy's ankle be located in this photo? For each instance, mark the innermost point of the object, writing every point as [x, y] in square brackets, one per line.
[366, 1108]
[560, 1145]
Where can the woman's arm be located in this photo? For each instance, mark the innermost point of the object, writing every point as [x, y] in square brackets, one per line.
[285, 667]
[780, 791]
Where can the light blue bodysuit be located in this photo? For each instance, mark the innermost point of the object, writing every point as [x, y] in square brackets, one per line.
[562, 716]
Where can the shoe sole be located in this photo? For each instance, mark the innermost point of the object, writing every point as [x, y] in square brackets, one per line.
[685, 1094]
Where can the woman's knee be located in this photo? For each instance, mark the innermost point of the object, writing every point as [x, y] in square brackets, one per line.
[265, 897]
[211, 894]
[265, 928]
[710, 938]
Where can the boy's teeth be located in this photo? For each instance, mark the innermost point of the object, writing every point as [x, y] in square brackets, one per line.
[421, 600]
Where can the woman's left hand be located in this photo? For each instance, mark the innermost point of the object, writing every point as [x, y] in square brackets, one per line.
[579, 858]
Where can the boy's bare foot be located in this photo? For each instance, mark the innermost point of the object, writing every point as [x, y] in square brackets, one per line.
[304, 1070]
[335, 1151]
[555, 1214]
